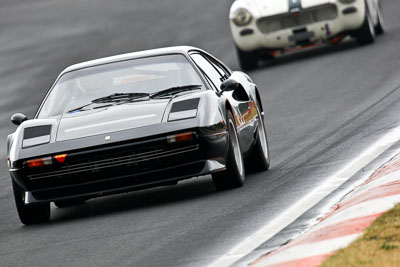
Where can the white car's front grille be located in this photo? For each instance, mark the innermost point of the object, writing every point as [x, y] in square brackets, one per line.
[292, 20]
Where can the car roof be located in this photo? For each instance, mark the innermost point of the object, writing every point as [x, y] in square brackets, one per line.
[129, 56]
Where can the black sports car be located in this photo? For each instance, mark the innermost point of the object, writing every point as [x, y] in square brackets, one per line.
[132, 122]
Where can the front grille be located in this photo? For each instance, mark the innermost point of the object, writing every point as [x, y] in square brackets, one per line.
[134, 160]
[303, 17]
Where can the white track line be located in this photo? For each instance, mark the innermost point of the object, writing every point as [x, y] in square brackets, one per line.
[290, 215]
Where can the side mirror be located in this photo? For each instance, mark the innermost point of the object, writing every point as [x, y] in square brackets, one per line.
[229, 85]
[18, 118]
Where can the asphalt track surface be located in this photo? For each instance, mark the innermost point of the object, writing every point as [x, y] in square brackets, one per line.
[323, 107]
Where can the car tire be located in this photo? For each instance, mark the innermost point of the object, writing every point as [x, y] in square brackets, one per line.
[247, 60]
[366, 35]
[380, 28]
[234, 174]
[68, 203]
[31, 213]
[259, 160]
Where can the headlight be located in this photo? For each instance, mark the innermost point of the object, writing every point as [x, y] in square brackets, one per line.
[36, 135]
[347, 1]
[182, 115]
[182, 110]
[9, 163]
[242, 17]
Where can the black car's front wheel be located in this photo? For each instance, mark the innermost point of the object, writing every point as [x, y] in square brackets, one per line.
[259, 158]
[30, 213]
[234, 174]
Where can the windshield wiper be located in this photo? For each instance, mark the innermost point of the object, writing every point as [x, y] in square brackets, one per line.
[175, 90]
[117, 97]
[79, 109]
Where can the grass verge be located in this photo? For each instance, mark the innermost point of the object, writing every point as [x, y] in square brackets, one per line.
[379, 245]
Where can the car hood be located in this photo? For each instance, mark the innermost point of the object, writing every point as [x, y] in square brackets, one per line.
[111, 119]
[262, 8]
[268, 7]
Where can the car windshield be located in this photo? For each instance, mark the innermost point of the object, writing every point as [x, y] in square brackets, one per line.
[120, 83]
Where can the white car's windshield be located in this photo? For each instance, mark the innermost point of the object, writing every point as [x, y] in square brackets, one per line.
[121, 82]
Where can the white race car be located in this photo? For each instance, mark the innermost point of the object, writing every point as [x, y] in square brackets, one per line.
[267, 27]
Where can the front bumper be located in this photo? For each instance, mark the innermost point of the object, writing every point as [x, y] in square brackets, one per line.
[286, 31]
[123, 167]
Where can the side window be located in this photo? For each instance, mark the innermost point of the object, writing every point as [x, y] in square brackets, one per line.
[212, 74]
[221, 69]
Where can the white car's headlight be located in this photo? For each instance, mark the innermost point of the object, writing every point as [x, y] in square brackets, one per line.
[242, 17]
[347, 1]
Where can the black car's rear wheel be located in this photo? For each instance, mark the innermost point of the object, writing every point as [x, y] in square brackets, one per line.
[259, 158]
[234, 174]
[31, 213]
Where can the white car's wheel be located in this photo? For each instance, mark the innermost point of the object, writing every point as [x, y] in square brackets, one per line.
[380, 28]
[366, 35]
[247, 60]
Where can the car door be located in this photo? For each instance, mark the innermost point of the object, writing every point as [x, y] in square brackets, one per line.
[247, 106]
[243, 106]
